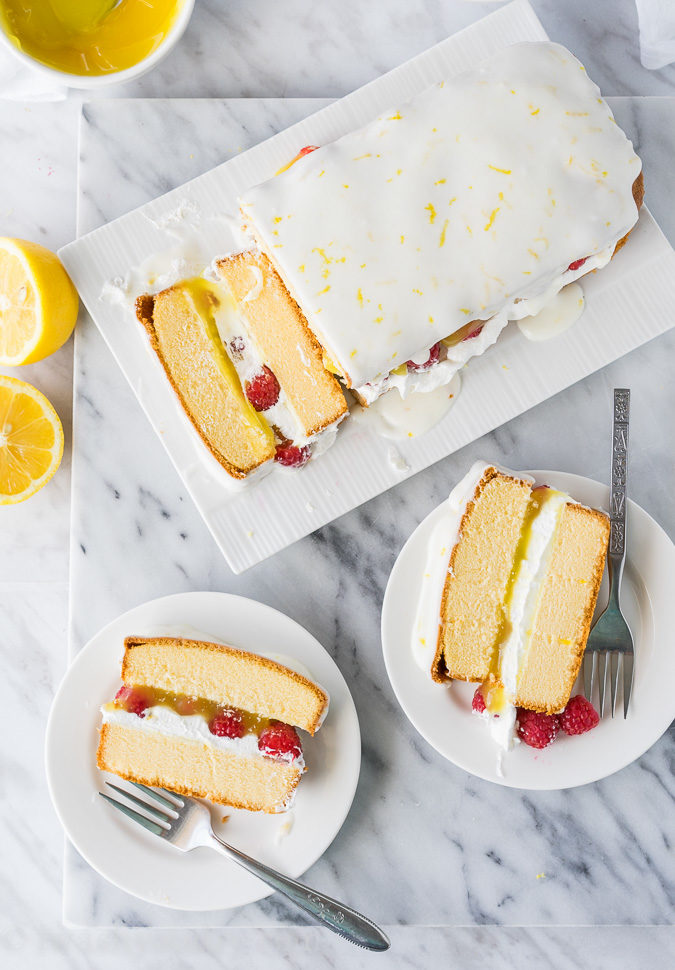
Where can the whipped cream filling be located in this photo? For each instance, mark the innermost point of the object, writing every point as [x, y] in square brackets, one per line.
[522, 604]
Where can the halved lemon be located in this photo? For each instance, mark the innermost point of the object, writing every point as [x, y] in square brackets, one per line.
[31, 440]
[38, 303]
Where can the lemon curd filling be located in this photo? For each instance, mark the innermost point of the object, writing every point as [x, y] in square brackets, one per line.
[88, 37]
[534, 546]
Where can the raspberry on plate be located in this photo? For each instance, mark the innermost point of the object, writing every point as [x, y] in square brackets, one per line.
[536, 729]
[133, 700]
[577, 264]
[263, 390]
[579, 716]
[478, 702]
[280, 740]
[227, 724]
[292, 456]
[434, 355]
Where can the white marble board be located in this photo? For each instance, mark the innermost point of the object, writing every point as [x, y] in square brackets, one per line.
[487, 855]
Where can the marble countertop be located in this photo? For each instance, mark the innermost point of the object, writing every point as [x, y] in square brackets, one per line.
[263, 50]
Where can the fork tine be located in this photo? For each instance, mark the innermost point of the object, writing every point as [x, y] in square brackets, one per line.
[145, 822]
[167, 802]
[159, 815]
[588, 676]
[602, 680]
[627, 682]
[615, 662]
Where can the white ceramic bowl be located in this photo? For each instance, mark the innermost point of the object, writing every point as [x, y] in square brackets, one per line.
[115, 77]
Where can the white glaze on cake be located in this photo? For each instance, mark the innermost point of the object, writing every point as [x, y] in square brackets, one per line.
[459, 205]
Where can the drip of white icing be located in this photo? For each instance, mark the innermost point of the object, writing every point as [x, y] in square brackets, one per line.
[468, 202]
[395, 417]
[557, 316]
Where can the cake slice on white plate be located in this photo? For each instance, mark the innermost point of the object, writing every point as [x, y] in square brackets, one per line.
[210, 721]
[509, 592]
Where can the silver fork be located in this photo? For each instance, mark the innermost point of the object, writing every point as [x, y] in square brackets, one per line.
[186, 823]
[611, 634]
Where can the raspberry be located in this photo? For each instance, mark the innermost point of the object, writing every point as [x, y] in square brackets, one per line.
[537, 730]
[227, 723]
[281, 741]
[237, 347]
[474, 333]
[263, 390]
[579, 716]
[307, 149]
[478, 702]
[133, 700]
[434, 354]
[291, 455]
[577, 263]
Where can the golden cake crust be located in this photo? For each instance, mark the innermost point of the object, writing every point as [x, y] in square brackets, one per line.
[243, 457]
[440, 671]
[225, 778]
[313, 699]
[545, 700]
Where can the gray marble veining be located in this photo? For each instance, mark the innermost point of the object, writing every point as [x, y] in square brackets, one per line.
[265, 49]
[479, 850]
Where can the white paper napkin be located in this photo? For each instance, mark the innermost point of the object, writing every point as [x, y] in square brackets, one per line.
[657, 32]
[20, 83]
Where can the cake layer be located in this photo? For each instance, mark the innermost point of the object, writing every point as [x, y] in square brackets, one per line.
[195, 768]
[562, 617]
[227, 676]
[470, 201]
[478, 574]
[283, 340]
[184, 337]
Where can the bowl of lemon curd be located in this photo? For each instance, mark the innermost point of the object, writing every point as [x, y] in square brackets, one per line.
[88, 43]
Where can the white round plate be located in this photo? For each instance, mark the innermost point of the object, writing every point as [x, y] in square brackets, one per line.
[442, 715]
[139, 862]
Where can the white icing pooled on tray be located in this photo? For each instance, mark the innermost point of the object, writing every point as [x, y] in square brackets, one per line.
[397, 417]
[454, 207]
[556, 317]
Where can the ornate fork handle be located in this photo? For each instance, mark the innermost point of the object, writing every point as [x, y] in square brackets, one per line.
[337, 917]
[617, 495]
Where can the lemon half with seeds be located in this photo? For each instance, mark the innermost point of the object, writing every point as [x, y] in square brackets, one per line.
[38, 303]
[31, 440]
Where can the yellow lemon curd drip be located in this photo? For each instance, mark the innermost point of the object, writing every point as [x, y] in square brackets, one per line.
[496, 695]
[88, 37]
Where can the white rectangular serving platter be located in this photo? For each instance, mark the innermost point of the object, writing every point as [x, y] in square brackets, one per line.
[627, 304]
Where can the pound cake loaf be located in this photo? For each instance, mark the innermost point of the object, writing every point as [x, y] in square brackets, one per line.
[410, 243]
[210, 721]
[513, 578]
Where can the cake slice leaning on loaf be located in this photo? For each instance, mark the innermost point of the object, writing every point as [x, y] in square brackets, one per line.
[209, 721]
[519, 589]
